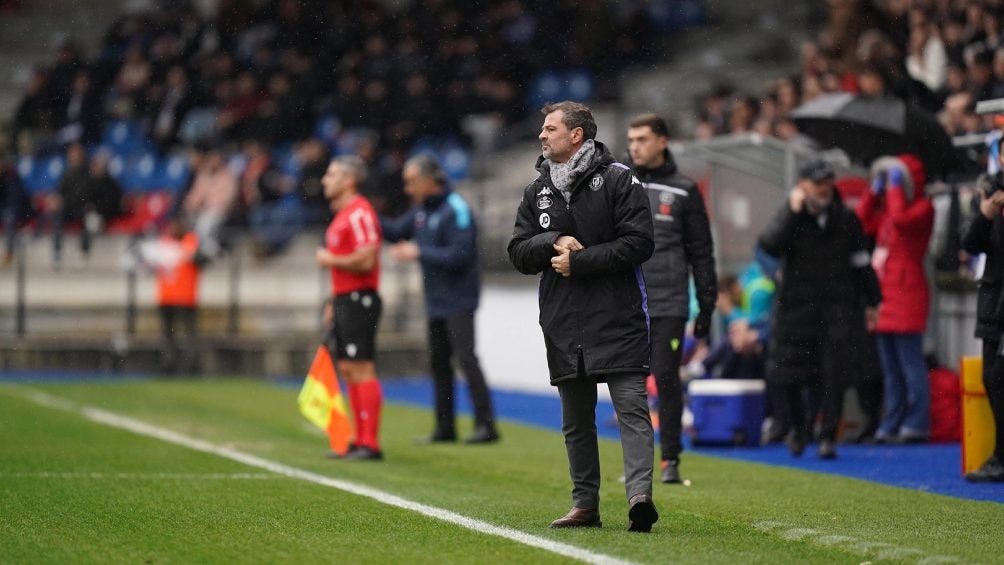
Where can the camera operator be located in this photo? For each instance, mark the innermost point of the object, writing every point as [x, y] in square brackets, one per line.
[986, 235]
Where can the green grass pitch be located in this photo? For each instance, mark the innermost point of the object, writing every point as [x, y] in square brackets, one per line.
[73, 490]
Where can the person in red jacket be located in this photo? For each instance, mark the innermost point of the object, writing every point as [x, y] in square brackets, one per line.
[900, 218]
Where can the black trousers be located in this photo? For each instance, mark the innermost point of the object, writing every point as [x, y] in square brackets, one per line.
[454, 337]
[993, 381]
[178, 325]
[667, 351]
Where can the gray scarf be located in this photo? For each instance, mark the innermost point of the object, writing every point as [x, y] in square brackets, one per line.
[564, 175]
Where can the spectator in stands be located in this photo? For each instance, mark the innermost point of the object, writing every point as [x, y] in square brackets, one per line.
[440, 233]
[69, 202]
[276, 212]
[169, 111]
[825, 271]
[591, 302]
[104, 195]
[312, 157]
[352, 252]
[683, 245]
[985, 235]
[14, 205]
[900, 217]
[80, 119]
[36, 112]
[178, 265]
[131, 82]
[210, 200]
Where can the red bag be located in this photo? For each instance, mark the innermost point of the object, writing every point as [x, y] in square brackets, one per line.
[946, 394]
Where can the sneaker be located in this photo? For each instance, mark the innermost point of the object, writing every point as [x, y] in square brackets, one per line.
[671, 471]
[796, 443]
[483, 434]
[991, 472]
[827, 450]
[364, 453]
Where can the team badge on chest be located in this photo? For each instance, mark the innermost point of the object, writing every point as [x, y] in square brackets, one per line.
[543, 203]
[545, 221]
[596, 183]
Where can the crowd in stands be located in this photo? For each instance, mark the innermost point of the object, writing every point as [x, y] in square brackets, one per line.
[943, 56]
[280, 86]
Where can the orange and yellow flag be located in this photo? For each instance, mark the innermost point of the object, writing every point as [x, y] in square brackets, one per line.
[321, 401]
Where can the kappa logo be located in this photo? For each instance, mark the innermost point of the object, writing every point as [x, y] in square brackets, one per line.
[596, 183]
[634, 180]
[545, 221]
[543, 203]
[545, 191]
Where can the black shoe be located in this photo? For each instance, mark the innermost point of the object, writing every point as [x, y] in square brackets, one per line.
[642, 514]
[827, 450]
[671, 471]
[991, 472]
[483, 434]
[796, 443]
[438, 437]
[363, 453]
[333, 455]
[907, 439]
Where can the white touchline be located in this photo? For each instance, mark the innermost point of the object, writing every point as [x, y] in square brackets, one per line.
[142, 428]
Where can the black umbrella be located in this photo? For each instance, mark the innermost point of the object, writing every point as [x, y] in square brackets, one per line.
[868, 127]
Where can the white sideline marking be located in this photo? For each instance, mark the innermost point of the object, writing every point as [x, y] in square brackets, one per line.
[172, 476]
[879, 550]
[142, 428]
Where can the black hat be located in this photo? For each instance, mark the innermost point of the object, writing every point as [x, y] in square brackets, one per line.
[817, 171]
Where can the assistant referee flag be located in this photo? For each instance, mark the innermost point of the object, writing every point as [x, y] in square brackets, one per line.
[321, 401]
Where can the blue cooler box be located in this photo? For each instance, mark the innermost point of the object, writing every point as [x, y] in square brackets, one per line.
[727, 411]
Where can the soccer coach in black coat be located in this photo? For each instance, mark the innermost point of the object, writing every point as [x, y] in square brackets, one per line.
[584, 225]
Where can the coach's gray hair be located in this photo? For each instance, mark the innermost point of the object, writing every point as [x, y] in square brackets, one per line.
[355, 167]
[428, 166]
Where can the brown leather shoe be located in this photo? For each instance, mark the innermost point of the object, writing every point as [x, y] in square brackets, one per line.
[642, 514]
[579, 518]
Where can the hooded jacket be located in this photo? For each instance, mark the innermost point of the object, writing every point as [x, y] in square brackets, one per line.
[901, 224]
[447, 238]
[683, 242]
[595, 322]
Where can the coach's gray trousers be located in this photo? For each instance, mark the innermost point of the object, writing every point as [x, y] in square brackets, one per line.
[578, 424]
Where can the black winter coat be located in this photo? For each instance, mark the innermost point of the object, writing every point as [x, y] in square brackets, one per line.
[826, 278]
[987, 236]
[683, 243]
[597, 316]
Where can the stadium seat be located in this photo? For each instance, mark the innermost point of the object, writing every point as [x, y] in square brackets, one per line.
[40, 174]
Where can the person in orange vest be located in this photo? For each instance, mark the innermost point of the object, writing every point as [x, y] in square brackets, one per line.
[178, 269]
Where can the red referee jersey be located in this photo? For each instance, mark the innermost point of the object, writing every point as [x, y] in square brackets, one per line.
[354, 226]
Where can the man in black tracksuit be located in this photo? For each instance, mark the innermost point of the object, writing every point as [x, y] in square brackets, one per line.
[584, 225]
[986, 235]
[683, 245]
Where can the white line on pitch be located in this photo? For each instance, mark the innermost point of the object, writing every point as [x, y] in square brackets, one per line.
[142, 428]
[142, 476]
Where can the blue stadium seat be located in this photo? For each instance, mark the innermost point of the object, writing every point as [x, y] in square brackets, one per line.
[40, 174]
[545, 87]
[579, 84]
[456, 162]
[328, 128]
[173, 173]
[674, 15]
[139, 172]
[124, 136]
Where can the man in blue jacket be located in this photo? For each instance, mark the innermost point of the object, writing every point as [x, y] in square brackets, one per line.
[439, 232]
